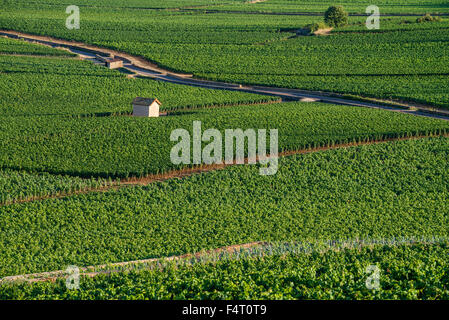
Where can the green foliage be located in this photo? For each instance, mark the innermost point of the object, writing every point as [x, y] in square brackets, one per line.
[428, 18]
[55, 119]
[250, 49]
[379, 191]
[357, 62]
[50, 86]
[22, 185]
[406, 272]
[336, 16]
[9, 46]
[120, 147]
[315, 27]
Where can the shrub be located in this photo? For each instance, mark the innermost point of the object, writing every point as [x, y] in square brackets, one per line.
[428, 18]
[310, 29]
[336, 16]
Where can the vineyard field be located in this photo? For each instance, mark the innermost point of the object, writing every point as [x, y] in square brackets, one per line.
[395, 62]
[149, 198]
[15, 47]
[122, 147]
[28, 89]
[23, 185]
[386, 190]
[291, 276]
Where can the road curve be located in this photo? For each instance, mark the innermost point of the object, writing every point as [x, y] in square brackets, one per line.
[143, 68]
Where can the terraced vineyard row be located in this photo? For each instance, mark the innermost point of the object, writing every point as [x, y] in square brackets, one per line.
[353, 6]
[8, 46]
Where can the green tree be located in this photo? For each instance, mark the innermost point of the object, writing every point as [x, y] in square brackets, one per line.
[336, 16]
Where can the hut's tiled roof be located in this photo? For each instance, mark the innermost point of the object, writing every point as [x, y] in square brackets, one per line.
[145, 101]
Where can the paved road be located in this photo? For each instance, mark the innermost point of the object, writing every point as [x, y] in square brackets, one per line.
[135, 65]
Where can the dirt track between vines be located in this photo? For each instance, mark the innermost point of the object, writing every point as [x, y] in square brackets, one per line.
[179, 174]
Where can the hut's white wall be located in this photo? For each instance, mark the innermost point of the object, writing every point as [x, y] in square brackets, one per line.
[154, 110]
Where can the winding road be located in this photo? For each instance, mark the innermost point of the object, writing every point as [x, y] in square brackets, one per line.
[142, 68]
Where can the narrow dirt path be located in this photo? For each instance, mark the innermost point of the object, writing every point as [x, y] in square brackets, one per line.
[179, 174]
[144, 68]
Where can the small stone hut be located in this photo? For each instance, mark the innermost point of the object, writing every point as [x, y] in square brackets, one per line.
[114, 63]
[146, 107]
